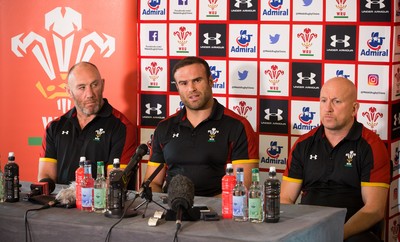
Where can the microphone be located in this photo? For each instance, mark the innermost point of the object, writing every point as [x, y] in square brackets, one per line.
[141, 150]
[149, 180]
[66, 197]
[44, 187]
[180, 196]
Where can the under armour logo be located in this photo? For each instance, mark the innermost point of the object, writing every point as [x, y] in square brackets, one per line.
[150, 109]
[313, 157]
[306, 78]
[176, 135]
[344, 41]
[278, 115]
[65, 132]
[248, 2]
[396, 118]
[214, 38]
[375, 2]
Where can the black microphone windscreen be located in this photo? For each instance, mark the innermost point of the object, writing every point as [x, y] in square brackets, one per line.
[51, 184]
[142, 149]
[180, 193]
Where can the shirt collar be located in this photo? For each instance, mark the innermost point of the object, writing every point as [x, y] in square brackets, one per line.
[354, 133]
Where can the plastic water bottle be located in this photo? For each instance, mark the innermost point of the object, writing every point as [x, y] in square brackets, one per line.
[255, 198]
[115, 193]
[239, 207]
[100, 186]
[272, 190]
[78, 180]
[11, 179]
[228, 183]
[87, 186]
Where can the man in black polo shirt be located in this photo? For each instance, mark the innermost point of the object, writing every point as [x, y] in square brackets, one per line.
[199, 140]
[93, 128]
[340, 164]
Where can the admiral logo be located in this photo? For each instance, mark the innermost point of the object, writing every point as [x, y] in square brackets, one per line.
[275, 9]
[153, 71]
[307, 37]
[215, 74]
[63, 25]
[273, 152]
[154, 8]
[242, 109]
[182, 34]
[373, 79]
[274, 73]
[305, 118]
[212, 4]
[340, 73]
[372, 118]
[180, 106]
[153, 35]
[243, 41]
[341, 6]
[375, 44]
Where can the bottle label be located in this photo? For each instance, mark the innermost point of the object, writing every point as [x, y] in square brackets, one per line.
[99, 198]
[238, 205]
[255, 209]
[272, 207]
[86, 197]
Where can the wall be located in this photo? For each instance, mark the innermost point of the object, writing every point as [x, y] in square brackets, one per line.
[39, 41]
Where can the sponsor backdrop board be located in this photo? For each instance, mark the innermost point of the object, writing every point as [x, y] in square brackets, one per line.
[269, 59]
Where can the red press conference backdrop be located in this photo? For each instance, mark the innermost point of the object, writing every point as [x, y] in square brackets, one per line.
[269, 59]
[39, 41]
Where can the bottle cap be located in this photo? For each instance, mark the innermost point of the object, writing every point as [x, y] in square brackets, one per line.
[229, 165]
[87, 162]
[254, 170]
[100, 163]
[272, 169]
[82, 158]
[116, 160]
[239, 169]
[11, 156]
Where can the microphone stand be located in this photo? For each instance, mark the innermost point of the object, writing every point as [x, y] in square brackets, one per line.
[148, 196]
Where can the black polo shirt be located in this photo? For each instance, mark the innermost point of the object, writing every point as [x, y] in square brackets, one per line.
[201, 153]
[109, 135]
[334, 176]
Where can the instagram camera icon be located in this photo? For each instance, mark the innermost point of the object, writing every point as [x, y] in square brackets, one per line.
[373, 79]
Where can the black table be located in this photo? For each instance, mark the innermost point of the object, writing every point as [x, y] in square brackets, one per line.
[297, 223]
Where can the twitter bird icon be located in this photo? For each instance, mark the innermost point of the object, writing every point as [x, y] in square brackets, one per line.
[274, 39]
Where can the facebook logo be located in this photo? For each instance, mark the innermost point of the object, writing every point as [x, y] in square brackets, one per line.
[153, 35]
